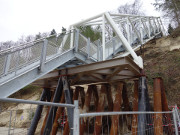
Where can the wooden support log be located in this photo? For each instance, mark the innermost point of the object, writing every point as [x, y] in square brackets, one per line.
[96, 97]
[158, 125]
[86, 107]
[82, 94]
[109, 98]
[169, 129]
[135, 108]
[98, 122]
[66, 129]
[116, 107]
[58, 115]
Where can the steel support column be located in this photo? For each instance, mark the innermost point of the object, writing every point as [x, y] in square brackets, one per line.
[68, 100]
[135, 108]
[158, 125]
[98, 122]
[116, 107]
[37, 115]
[143, 105]
[52, 111]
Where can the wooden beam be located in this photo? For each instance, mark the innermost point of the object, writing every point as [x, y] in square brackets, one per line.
[116, 107]
[135, 108]
[98, 122]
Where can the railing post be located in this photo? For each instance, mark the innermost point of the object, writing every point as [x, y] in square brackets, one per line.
[43, 55]
[113, 46]
[76, 119]
[9, 130]
[98, 50]
[76, 40]
[175, 122]
[7, 64]
[88, 48]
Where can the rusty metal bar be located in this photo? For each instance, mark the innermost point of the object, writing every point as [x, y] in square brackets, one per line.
[135, 108]
[125, 98]
[58, 115]
[98, 122]
[116, 107]
[158, 125]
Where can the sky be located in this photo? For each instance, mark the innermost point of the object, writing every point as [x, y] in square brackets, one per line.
[29, 17]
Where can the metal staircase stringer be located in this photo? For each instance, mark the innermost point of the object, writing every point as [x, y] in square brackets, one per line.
[19, 81]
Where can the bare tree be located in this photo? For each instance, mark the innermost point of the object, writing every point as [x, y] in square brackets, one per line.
[134, 8]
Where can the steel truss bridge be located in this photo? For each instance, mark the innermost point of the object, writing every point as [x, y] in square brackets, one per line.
[50, 57]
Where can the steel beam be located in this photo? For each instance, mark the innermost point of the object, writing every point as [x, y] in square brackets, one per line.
[58, 115]
[98, 122]
[15, 81]
[143, 105]
[158, 125]
[116, 107]
[37, 115]
[135, 108]
[52, 111]
[68, 100]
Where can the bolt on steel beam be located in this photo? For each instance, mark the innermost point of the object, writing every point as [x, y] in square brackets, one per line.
[135, 108]
[158, 128]
[116, 107]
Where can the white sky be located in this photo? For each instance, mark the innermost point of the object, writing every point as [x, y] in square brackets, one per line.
[28, 17]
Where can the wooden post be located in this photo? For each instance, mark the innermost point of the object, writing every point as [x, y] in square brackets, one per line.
[98, 122]
[86, 107]
[109, 98]
[135, 108]
[96, 97]
[116, 107]
[58, 115]
[169, 129]
[158, 129]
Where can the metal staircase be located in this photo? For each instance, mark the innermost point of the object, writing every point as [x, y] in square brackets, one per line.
[120, 34]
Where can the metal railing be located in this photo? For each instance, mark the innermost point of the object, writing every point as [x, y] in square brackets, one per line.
[37, 51]
[17, 118]
[126, 123]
